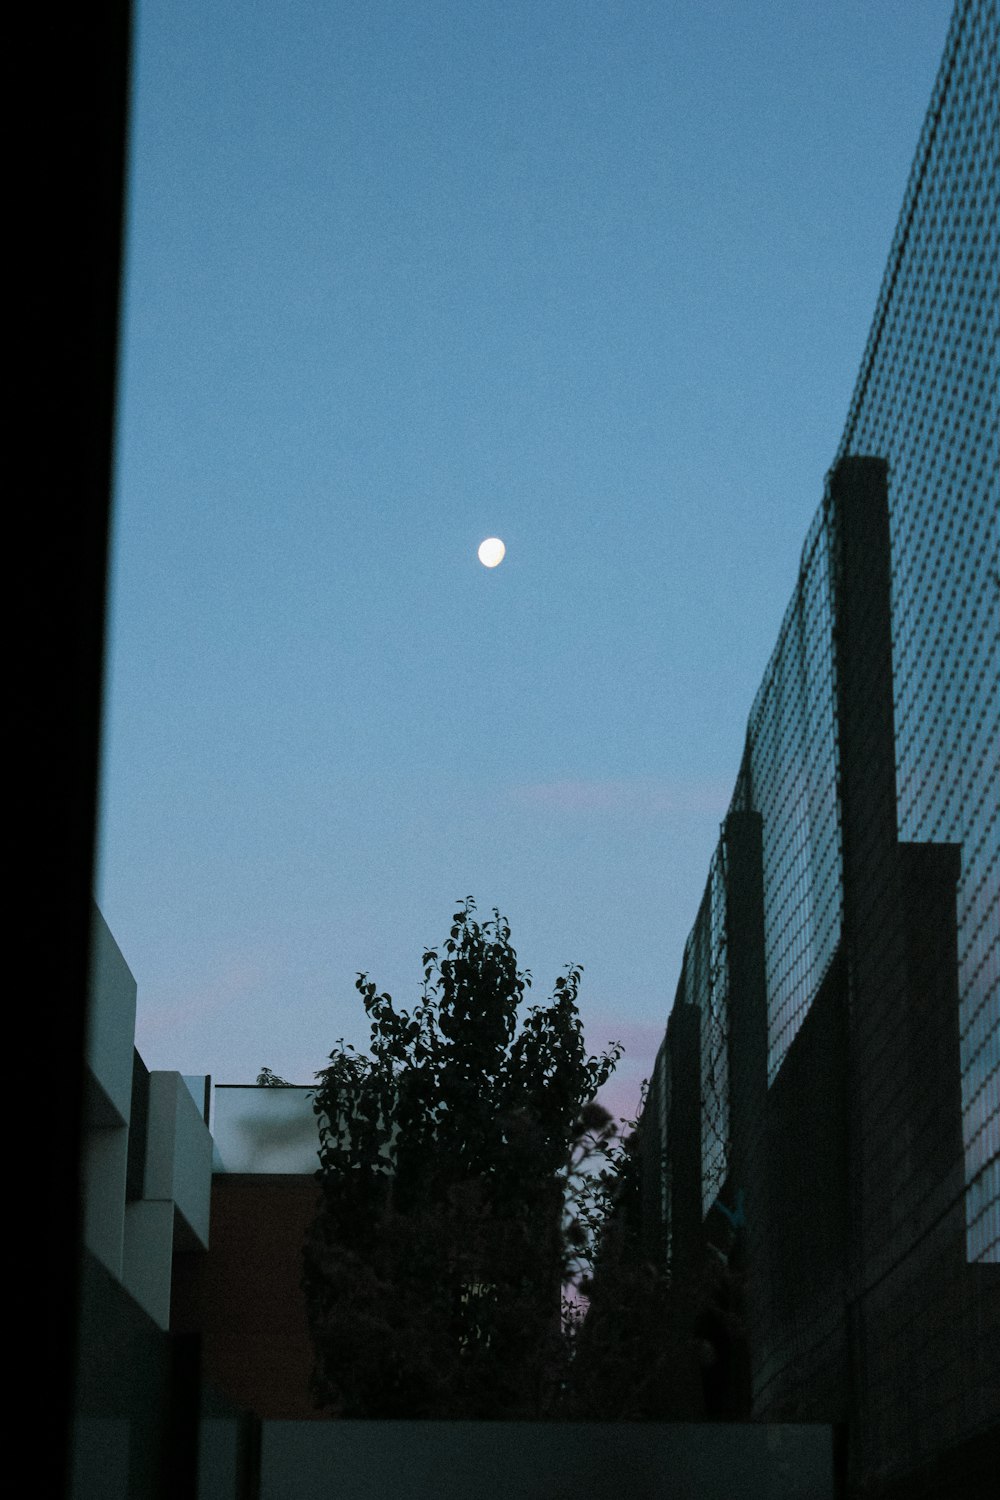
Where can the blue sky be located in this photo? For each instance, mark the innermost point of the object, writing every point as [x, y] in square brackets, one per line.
[592, 277]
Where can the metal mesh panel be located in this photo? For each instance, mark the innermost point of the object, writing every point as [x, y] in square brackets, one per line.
[926, 400]
[881, 974]
[789, 775]
[706, 986]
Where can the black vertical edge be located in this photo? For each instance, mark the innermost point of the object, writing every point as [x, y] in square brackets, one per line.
[250, 1457]
[684, 1135]
[862, 640]
[866, 746]
[872, 925]
[747, 1043]
[840, 1435]
[859, 492]
[138, 1130]
[79, 63]
[747, 1065]
[179, 1464]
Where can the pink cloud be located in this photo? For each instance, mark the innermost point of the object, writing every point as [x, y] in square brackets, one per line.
[166, 1014]
[641, 1040]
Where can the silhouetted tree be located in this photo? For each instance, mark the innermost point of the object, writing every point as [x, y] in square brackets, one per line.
[456, 1199]
[635, 1354]
[268, 1080]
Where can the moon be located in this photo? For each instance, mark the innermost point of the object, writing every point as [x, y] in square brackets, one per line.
[491, 552]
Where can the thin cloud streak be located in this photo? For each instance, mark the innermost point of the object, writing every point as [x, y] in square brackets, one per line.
[645, 795]
[641, 1041]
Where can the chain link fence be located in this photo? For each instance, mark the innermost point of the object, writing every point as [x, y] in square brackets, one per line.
[839, 1002]
[926, 399]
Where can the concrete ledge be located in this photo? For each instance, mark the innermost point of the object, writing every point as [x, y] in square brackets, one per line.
[179, 1157]
[545, 1461]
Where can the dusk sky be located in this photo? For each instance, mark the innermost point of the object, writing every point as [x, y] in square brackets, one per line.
[593, 276]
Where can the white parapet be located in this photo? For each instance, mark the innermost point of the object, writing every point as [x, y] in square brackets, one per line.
[107, 1096]
[179, 1158]
[110, 1030]
[173, 1212]
[140, 1205]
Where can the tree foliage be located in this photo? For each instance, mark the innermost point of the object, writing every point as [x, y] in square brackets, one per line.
[458, 1199]
[633, 1357]
[663, 1337]
[268, 1080]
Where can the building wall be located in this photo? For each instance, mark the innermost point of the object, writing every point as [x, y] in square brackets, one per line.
[244, 1296]
[107, 1097]
[146, 1424]
[543, 1461]
[147, 1153]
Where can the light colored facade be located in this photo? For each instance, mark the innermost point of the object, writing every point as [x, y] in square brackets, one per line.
[239, 1424]
[147, 1174]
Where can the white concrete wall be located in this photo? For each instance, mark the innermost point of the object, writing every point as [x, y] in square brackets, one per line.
[111, 1021]
[173, 1212]
[108, 1096]
[179, 1156]
[136, 1241]
[105, 1156]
